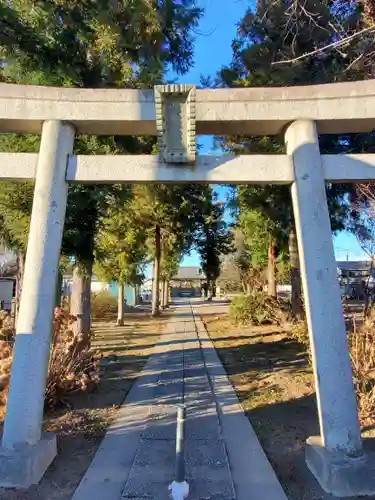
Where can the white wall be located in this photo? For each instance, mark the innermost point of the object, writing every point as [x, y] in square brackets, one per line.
[96, 286]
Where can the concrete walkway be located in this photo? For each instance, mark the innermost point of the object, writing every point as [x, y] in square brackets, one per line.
[224, 460]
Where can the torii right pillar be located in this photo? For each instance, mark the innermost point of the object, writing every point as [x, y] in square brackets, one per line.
[336, 457]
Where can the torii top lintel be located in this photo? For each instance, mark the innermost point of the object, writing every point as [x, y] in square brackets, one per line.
[336, 108]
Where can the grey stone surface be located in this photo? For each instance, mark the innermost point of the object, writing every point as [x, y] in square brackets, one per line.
[175, 122]
[337, 108]
[252, 474]
[206, 465]
[202, 424]
[206, 453]
[137, 457]
[336, 399]
[162, 424]
[209, 169]
[169, 393]
[24, 413]
[152, 470]
[26, 465]
[338, 474]
[110, 468]
[207, 470]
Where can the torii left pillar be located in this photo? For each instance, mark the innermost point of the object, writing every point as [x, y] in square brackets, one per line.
[25, 451]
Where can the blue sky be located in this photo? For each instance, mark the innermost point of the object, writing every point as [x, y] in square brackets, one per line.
[213, 50]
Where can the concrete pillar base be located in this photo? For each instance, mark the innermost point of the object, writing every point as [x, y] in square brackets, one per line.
[26, 465]
[339, 474]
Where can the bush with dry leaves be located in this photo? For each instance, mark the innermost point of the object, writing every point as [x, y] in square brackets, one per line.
[361, 343]
[361, 340]
[5, 364]
[6, 326]
[71, 368]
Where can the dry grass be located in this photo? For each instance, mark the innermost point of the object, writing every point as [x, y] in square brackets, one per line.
[274, 382]
[361, 344]
[6, 326]
[72, 368]
[253, 356]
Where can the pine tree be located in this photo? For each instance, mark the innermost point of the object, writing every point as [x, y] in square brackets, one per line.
[213, 240]
[120, 245]
[167, 210]
[173, 247]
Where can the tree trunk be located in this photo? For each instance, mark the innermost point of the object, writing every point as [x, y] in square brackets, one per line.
[368, 304]
[120, 304]
[271, 272]
[80, 303]
[166, 294]
[19, 282]
[295, 277]
[156, 280]
[162, 293]
[58, 289]
[209, 290]
[248, 288]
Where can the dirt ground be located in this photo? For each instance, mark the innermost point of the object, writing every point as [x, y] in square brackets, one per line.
[274, 382]
[81, 424]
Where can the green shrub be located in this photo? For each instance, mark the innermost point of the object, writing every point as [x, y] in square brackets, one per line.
[103, 305]
[259, 309]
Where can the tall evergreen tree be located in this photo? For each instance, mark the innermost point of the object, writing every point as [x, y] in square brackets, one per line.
[93, 44]
[173, 247]
[120, 245]
[96, 43]
[167, 210]
[213, 240]
[274, 32]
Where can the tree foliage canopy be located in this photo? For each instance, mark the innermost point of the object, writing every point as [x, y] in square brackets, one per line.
[96, 43]
[91, 44]
[276, 32]
[120, 245]
[213, 239]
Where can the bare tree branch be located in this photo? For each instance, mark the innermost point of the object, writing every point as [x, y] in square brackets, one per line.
[334, 45]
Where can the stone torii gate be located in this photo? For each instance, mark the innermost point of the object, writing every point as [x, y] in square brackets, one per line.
[174, 113]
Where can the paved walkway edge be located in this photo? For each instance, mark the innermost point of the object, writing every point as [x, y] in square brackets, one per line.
[252, 473]
[109, 470]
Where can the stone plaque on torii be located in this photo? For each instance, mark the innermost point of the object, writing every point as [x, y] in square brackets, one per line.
[175, 122]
